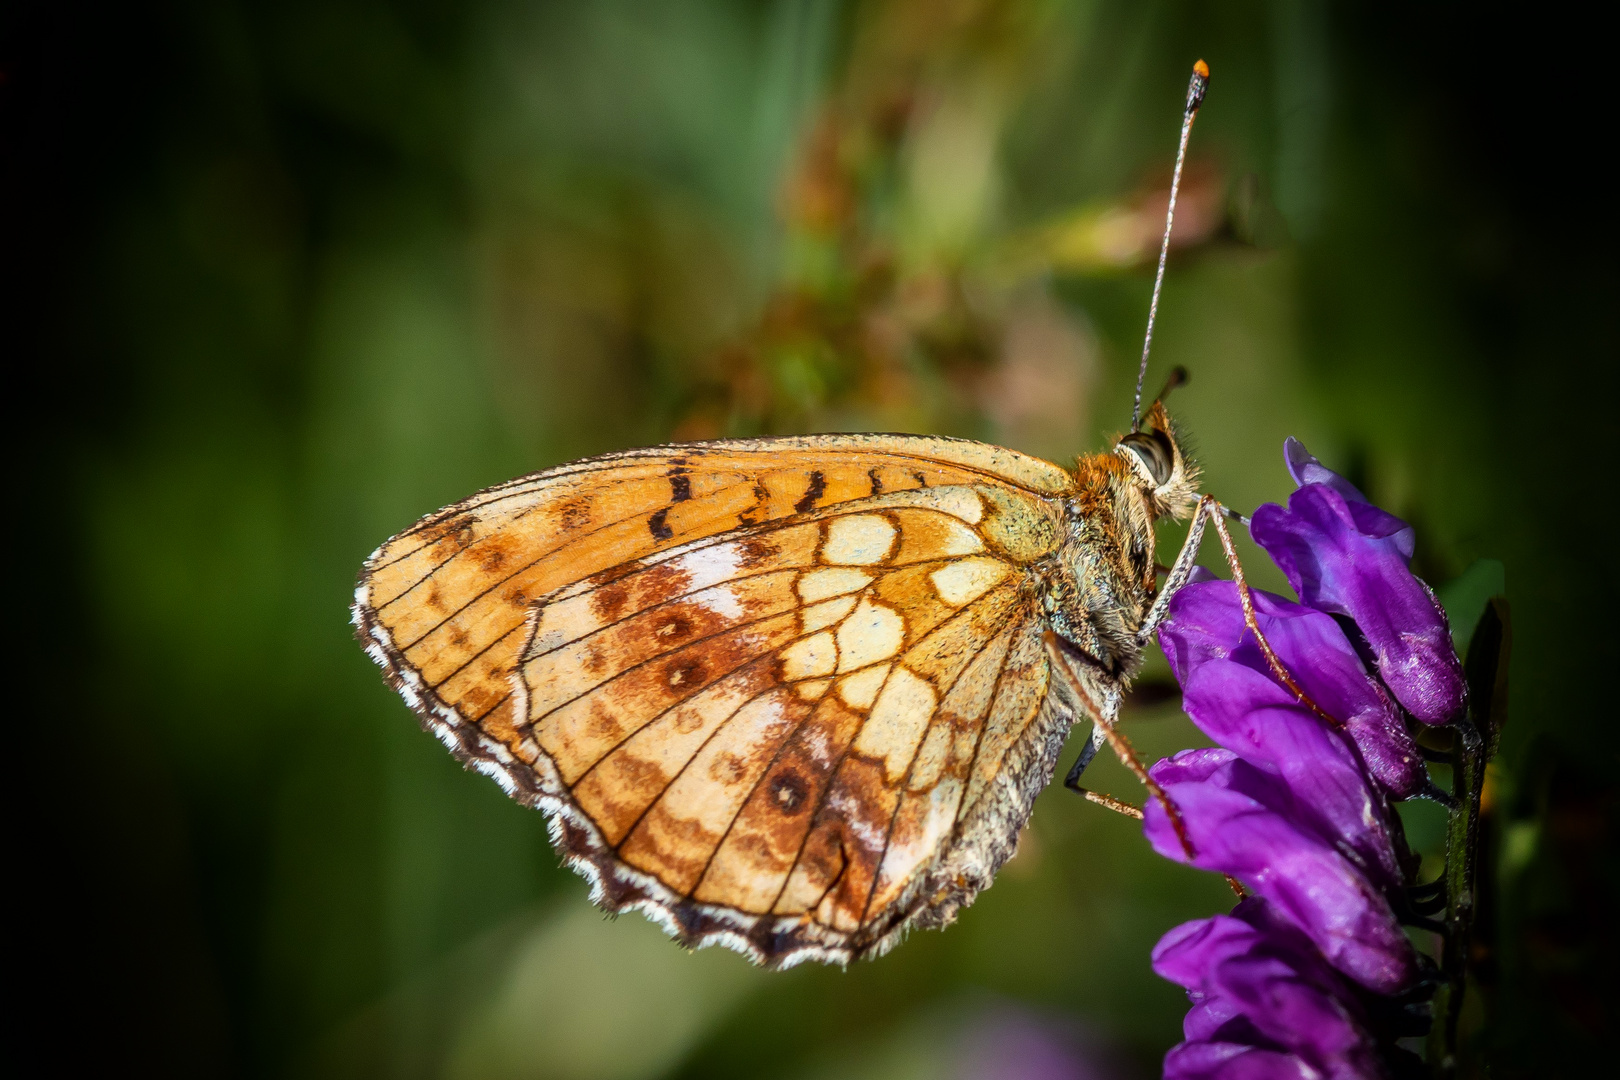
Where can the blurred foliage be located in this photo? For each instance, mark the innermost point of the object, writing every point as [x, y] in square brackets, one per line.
[298, 273]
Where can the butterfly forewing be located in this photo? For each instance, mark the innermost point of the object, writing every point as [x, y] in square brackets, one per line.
[770, 691]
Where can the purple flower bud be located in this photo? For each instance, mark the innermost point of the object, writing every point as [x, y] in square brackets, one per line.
[1238, 821]
[1206, 625]
[1345, 556]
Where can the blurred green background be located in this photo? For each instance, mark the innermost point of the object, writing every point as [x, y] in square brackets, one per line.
[289, 275]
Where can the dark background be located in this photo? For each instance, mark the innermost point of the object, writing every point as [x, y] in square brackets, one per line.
[285, 276]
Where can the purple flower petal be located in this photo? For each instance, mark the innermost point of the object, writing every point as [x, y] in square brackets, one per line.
[1248, 713]
[1219, 1020]
[1305, 469]
[1192, 766]
[1317, 1024]
[1234, 824]
[1184, 955]
[1233, 1061]
[1350, 558]
[1206, 625]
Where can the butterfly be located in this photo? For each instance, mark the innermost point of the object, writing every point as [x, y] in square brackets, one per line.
[794, 696]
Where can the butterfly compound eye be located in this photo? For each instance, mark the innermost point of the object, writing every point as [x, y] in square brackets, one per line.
[1153, 451]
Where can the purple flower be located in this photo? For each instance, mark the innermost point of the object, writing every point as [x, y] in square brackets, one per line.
[1264, 1003]
[1295, 803]
[1345, 556]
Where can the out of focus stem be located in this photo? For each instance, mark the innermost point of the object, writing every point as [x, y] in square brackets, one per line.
[1473, 742]
[1462, 858]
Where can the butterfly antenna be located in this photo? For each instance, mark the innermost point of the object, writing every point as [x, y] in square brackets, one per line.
[1195, 98]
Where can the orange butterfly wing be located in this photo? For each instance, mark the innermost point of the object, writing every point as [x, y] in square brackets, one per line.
[785, 694]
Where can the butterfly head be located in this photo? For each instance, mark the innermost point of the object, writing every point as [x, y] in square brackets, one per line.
[1165, 474]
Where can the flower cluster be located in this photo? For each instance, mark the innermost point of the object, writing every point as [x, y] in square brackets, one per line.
[1295, 802]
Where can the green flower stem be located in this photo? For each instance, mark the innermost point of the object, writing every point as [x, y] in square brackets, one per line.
[1474, 742]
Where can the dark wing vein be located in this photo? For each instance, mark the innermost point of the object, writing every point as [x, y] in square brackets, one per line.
[781, 748]
[821, 801]
[638, 665]
[978, 741]
[707, 739]
[911, 766]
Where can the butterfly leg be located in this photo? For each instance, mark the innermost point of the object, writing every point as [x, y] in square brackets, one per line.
[1216, 513]
[1180, 571]
[1211, 510]
[1065, 658]
[1087, 752]
[1072, 781]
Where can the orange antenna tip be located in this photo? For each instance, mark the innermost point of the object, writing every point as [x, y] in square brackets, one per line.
[1196, 87]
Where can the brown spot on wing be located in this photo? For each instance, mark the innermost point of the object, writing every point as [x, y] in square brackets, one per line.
[574, 514]
[679, 834]
[817, 488]
[614, 573]
[787, 792]
[643, 695]
[857, 811]
[672, 626]
[608, 601]
[688, 671]
[650, 585]
[493, 554]
[749, 869]
[756, 551]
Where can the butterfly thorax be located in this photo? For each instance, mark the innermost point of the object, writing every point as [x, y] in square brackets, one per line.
[1101, 582]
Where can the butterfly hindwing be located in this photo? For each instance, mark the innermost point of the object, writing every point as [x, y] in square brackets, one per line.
[773, 693]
